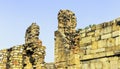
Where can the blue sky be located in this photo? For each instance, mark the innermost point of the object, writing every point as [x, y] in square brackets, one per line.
[17, 15]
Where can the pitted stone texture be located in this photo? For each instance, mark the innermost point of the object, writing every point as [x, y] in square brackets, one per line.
[26, 56]
[32, 33]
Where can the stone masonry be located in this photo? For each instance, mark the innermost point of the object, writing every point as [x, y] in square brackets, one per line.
[94, 47]
[100, 46]
[26, 56]
[66, 42]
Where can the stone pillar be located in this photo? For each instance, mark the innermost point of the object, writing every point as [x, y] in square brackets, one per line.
[65, 41]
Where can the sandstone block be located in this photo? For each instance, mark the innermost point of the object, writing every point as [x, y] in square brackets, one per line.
[107, 30]
[118, 64]
[102, 43]
[92, 65]
[114, 64]
[98, 38]
[94, 45]
[109, 53]
[115, 33]
[99, 55]
[99, 26]
[88, 51]
[100, 50]
[87, 39]
[93, 39]
[90, 33]
[98, 65]
[87, 57]
[117, 41]
[111, 42]
[106, 36]
[85, 66]
[97, 32]
[115, 27]
[106, 65]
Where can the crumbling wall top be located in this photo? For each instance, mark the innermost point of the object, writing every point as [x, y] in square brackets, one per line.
[32, 33]
[66, 18]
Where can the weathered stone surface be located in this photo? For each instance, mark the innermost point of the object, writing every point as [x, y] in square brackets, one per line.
[102, 43]
[98, 46]
[95, 47]
[117, 39]
[111, 42]
[115, 33]
[106, 36]
[27, 56]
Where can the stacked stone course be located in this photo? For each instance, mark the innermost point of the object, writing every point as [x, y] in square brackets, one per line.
[99, 46]
[94, 47]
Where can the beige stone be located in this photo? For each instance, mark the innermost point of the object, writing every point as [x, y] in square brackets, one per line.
[100, 50]
[85, 66]
[117, 39]
[92, 65]
[111, 42]
[90, 33]
[85, 57]
[99, 26]
[109, 53]
[98, 55]
[107, 30]
[94, 45]
[106, 36]
[97, 32]
[86, 40]
[114, 64]
[98, 65]
[116, 33]
[115, 27]
[102, 43]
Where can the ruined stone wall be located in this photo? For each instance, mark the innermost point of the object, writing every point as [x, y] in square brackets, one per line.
[66, 42]
[94, 47]
[26, 56]
[100, 46]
